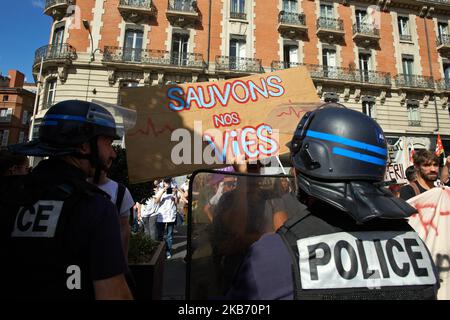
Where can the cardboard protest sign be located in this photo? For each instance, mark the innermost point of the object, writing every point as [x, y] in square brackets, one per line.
[181, 128]
[432, 223]
[398, 161]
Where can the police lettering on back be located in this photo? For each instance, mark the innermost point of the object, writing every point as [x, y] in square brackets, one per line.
[39, 220]
[358, 260]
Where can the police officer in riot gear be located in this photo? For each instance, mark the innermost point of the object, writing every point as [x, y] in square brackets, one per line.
[353, 241]
[62, 233]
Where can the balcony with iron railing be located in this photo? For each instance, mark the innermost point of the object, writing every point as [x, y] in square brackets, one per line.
[238, 65]
[365, 32]
[55, 54]
[443, 84]
[443, 44]
[5, 117]
[280, 65]
[238, 15]
[444, 2]
[182, 12]
[330, 27]
[414, 123]
[136, 9]
[291, 23]
[414, 81]
[156, 58]
[57, 8]
[406, 37]
[367, 77]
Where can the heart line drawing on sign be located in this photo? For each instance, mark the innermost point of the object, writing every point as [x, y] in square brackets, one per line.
[152, 128]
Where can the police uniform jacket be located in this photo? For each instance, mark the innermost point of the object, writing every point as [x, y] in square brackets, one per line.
[61, 235]
[323, 254]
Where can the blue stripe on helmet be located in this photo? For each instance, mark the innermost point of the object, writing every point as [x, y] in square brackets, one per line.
[346, 141]
[359, 156]
[102, 122]
[49, 123]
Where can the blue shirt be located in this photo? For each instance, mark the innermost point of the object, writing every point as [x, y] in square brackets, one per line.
[268, 259]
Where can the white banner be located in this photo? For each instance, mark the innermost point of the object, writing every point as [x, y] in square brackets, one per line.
[398, 161]
[432, 222]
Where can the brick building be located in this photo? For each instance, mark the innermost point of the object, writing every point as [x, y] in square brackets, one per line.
[16, 108]
[387, 58]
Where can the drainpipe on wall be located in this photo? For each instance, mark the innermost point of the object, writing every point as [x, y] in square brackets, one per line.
[209, 34]
[431, 67]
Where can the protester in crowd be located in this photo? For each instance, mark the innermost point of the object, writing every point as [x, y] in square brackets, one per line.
[71, 248]
[121, 197]
[13, 164]
[318, 253]
[184, 197]
[13, 167]
[395, 189]
[444, 172]
[426, 164]
[149, 213]
[166, 199]
[285, 201]
[411, 174]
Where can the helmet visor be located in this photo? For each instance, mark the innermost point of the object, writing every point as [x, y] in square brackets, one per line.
[286, 117]
[124, 118]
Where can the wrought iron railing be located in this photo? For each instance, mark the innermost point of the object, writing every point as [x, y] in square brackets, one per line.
[279, 65]
[330, 24]
[351, 75]
[414, 123]
[136, 4]
[439, 1]
[51, 3]
[62, 51]
[414, 81]
[366, 29]
[443, 39]
[5, 119]
[443, 84]
[189, 6]
[152, 57]
[238, 64]
[293, 18]
[238, 15]
[405, 37]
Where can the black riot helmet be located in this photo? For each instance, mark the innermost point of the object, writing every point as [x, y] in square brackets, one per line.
[340, 158]
[335, 143]
[66, 125]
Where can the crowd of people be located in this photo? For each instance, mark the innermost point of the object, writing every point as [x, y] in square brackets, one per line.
[253, 237]
[164, 210]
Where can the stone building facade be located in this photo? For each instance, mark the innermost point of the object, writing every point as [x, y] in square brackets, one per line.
[16, 108]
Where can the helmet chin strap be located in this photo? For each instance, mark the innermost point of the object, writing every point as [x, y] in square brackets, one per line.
[94, 160]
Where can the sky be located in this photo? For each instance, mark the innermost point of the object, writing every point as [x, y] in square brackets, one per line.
[23, 29]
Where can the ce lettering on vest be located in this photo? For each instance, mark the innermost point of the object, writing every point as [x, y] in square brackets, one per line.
[184, 127]
[39, 220]
[364, 260]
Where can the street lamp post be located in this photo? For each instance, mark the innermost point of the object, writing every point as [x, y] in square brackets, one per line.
[92, 58]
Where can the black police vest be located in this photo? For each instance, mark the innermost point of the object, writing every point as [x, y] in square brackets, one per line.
[336, 259]
[43, 260]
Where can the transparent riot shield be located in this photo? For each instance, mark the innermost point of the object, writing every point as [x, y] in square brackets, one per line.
[228, 212]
